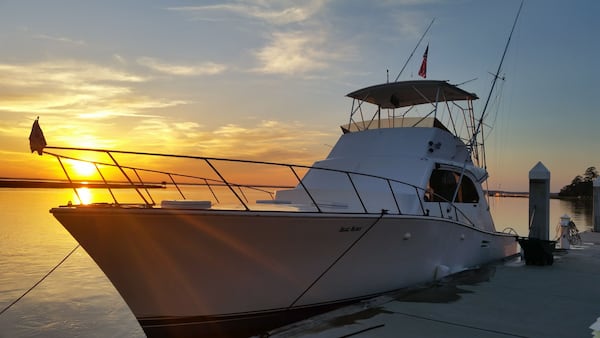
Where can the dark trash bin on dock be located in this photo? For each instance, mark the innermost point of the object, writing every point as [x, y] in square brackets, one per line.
[537, 251]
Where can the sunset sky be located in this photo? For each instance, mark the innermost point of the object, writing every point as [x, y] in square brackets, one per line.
[267, 79]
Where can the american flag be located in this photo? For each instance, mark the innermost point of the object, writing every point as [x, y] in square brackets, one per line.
[423, 69]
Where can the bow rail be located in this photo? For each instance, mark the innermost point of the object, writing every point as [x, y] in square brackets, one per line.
[213, 176]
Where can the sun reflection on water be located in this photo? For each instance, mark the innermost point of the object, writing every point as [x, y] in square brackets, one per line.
[85, 195]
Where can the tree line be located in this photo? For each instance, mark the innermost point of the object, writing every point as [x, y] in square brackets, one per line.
[581, 186]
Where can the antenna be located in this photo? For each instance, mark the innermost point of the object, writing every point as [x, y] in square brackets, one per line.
[413, 52]
[464, 82]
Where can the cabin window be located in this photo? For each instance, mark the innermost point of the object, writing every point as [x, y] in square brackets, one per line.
[443, 184]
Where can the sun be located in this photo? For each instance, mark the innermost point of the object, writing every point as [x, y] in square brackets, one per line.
[84, 168]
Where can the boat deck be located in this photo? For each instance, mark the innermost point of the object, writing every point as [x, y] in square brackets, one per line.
[510, 299]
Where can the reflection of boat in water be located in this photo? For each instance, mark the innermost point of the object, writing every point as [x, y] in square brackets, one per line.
[398, 201]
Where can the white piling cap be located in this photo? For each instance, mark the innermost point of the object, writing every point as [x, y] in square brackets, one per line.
[539, 172]
[565, 219]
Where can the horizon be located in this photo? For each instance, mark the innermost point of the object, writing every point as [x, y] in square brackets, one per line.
[98, 184]
[259, 81]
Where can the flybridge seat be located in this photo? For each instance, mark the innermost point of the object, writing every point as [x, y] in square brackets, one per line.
[397, 122]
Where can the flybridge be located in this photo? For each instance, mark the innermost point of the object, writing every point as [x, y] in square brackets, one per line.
[418, 103]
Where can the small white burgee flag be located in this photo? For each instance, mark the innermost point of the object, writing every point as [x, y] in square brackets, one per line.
[37, 141]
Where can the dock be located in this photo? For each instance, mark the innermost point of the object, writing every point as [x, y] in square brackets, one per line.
[507, 299]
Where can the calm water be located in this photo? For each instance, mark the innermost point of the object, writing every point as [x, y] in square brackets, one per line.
[78, 300]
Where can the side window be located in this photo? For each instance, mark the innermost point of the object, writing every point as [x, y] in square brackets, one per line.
[443, 184]
[468, 191]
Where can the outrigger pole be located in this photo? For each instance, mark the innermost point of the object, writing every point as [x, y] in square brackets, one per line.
[413, 52]
[496, 76]
[473, 141]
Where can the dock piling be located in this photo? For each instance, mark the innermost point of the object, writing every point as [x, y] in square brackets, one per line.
[539, 202]
[596, 204]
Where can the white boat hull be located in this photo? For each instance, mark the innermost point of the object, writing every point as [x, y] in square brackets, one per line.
[186, 268]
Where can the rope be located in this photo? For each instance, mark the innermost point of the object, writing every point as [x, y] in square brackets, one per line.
[509, 334]
[383, 212]
[363, 331]
[40, 281]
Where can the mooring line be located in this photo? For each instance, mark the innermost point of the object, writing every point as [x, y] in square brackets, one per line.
[467, 326]
[363, 331]
[383, 212]
[41, 280]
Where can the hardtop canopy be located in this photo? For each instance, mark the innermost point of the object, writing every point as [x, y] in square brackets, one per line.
[409, 93]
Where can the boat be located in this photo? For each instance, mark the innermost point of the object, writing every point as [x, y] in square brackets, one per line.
[397, 202]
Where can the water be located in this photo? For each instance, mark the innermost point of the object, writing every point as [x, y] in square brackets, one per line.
[78, 300]
[513, 212]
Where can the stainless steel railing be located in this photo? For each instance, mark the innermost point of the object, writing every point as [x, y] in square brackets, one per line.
[132, 177]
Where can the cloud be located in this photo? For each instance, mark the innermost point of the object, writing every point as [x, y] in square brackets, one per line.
[299, 40]
[186, 126]
[120, 59]
[295, 53]
[62, 72]
[59, 39]
[279, 13]
[268, 140]
[106, 114]
[74, 88]
[205, 68]
[409, 23]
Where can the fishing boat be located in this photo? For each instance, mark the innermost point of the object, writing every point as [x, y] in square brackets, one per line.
[398, 201]
[247, 246]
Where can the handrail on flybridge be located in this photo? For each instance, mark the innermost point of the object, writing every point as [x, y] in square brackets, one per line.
[446, 106]
[134, 180]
